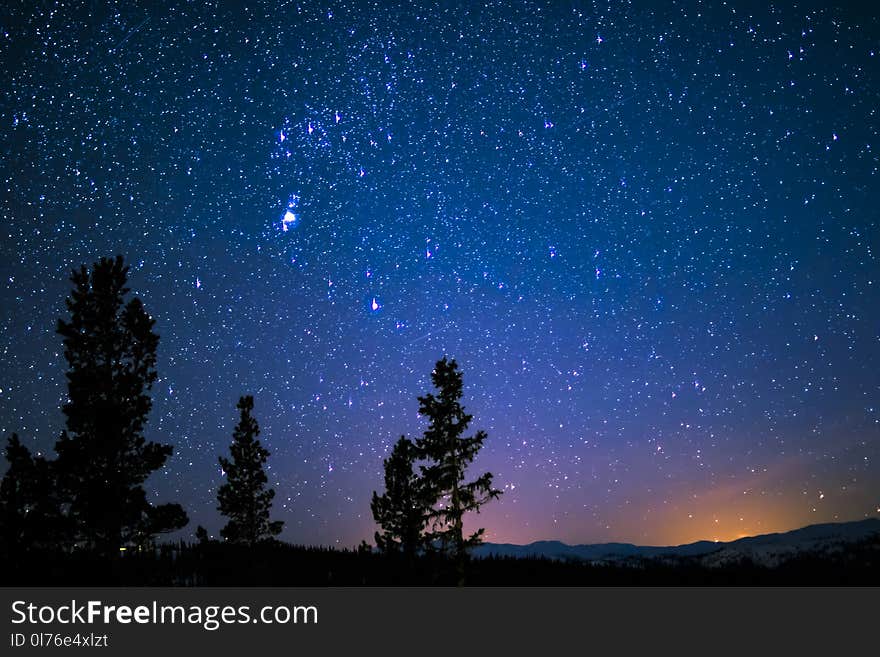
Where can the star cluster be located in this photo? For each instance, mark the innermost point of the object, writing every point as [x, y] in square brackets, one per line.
[647, 234]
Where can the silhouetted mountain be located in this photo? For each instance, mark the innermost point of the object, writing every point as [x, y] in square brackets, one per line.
[766, 549]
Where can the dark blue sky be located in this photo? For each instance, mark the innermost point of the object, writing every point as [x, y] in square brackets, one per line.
[648, 235]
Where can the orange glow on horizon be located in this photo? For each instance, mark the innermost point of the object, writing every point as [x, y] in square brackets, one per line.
[719, 515]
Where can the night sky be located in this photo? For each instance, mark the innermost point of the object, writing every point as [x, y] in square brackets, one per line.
[647, 233]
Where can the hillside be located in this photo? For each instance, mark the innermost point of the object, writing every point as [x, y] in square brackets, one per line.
[765, 549]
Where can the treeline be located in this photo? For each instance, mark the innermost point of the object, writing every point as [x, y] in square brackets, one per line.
[88, 506]
[217, 563]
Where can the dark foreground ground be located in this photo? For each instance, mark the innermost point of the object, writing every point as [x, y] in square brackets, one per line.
[215, 564]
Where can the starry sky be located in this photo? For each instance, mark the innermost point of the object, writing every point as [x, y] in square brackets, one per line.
[646, 231]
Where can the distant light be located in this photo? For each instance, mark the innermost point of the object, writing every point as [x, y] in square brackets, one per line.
[374, 305]
[289, 219]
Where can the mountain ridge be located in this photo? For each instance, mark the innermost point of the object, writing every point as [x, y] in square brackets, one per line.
[769, 548]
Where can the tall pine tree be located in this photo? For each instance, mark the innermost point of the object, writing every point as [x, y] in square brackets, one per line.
[448, 452]
[103, 457]
[244, 498]
[402, 510]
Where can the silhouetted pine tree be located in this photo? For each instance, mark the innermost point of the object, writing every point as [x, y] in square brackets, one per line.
[15, 497]
[402, 510]
[103, 457]
[30, 512]
[244, 498]
[202, 535]
[448, 453]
